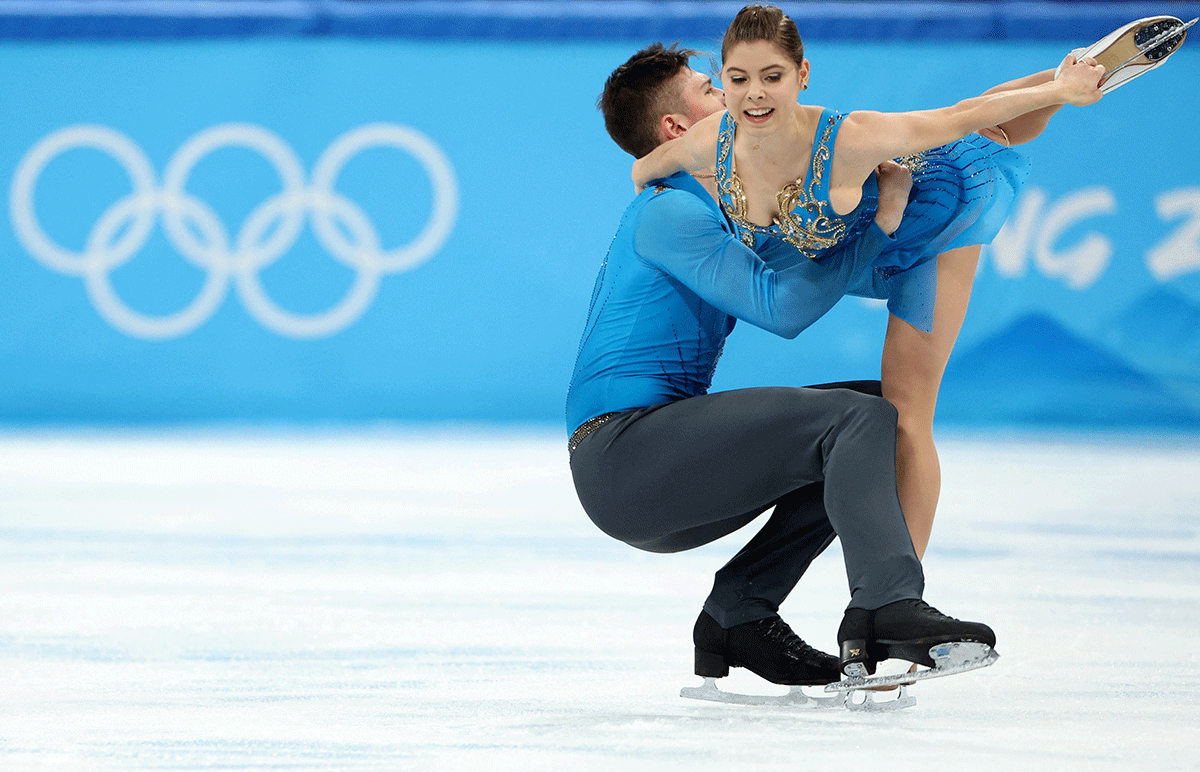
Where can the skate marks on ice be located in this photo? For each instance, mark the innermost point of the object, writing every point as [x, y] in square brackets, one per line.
[377, 603]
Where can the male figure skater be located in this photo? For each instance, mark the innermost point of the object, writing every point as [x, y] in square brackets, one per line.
[664, 466]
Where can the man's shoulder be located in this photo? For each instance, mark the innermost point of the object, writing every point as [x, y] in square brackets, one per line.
[679, 181]
[673, 197]
[673, 221]
[659, 194]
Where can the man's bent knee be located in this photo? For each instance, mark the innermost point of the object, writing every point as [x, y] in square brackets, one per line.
[870, 409]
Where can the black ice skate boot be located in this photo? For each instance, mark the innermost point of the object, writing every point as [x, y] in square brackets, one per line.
[765, 647]
[906, 629]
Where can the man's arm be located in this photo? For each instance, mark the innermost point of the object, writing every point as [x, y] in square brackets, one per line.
[681, 235]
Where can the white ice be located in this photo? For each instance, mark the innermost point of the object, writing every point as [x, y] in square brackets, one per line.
[403, 599]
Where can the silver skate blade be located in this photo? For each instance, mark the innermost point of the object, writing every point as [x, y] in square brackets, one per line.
[948, 659]
[870, 705]
[1153, 43]
[709, 692]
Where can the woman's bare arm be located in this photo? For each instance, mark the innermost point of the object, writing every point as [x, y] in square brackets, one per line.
[871, 137]
[695, 152]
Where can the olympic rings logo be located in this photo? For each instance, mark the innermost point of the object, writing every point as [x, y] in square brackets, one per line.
[198, 234]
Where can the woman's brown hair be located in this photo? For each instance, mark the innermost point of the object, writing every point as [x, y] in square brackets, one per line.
[764, 22]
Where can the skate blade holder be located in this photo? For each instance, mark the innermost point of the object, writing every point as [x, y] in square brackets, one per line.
[948, 659]
[870, 704]
[710, 692]
[1150, 50]
[873, 700]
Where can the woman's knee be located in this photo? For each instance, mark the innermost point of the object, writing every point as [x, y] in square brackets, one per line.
[914, 396]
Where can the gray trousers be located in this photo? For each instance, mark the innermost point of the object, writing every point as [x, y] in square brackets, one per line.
[672, 477]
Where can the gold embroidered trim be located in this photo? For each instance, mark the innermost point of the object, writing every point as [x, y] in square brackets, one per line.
[915, 162]
[822, 230]
[810, 235]
[733, 198]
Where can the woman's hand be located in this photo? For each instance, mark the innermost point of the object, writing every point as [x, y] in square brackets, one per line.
[1079, 81]
[895, 183]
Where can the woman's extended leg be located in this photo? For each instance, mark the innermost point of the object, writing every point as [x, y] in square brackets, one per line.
[913, 363]
[1025, 127]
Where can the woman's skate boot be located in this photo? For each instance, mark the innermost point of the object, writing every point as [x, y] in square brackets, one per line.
[1135, 49]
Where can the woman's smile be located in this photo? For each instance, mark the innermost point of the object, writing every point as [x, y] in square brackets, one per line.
[758, 115]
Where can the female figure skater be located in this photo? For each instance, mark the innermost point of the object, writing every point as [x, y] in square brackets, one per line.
[804, 174]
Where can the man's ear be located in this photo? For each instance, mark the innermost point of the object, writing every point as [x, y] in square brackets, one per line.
[672, 126]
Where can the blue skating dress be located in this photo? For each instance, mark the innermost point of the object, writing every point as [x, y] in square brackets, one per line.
[961, 195]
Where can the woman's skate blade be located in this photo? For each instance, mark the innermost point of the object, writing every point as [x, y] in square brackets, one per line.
[710, 692]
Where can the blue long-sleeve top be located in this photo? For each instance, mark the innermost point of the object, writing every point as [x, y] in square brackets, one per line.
[675, 281]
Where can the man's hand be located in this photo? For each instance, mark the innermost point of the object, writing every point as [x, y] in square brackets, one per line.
[895, 182]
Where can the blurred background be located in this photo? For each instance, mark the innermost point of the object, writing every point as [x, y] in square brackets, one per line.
[342, 211]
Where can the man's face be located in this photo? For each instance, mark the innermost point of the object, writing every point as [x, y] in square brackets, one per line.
[701, 99]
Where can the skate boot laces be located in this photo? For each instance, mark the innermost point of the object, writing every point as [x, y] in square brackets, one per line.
[777, 631]
[921, 605]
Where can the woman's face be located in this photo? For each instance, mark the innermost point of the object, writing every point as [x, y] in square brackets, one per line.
[762, 84]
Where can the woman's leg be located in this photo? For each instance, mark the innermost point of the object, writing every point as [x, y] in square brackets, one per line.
[1025, 127]
[913, 364]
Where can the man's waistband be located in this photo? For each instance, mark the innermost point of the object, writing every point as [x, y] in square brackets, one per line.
[586, 428]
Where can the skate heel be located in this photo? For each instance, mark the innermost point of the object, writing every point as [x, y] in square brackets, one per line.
[710, 665]
[855, 658]
[912, 652]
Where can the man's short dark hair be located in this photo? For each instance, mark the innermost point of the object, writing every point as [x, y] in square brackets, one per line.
[639, 93]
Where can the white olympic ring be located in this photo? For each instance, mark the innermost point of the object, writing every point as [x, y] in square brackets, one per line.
[267, 234]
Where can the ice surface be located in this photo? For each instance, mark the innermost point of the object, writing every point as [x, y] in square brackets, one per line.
[405, 600]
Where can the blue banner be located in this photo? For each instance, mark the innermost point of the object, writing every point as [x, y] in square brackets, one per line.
[337, 229]
[570, 20]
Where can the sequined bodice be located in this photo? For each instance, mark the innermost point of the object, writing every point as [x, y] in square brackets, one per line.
[806, 219]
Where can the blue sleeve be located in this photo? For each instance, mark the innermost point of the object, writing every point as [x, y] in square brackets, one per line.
[681, 235]
[869, 283]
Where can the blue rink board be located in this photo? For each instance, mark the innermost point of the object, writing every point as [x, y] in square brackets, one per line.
[567, 20]
[450, 204]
